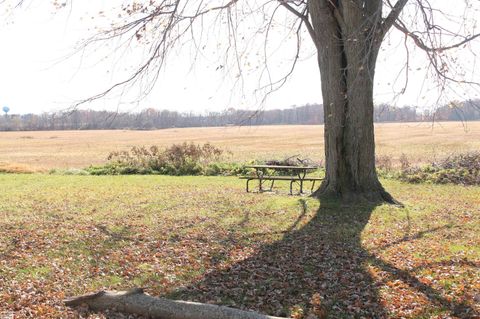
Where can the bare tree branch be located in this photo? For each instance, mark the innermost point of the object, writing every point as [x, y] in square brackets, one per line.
[392, 17]
[421, 44]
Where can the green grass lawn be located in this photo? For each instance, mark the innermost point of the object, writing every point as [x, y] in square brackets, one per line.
[205, 239]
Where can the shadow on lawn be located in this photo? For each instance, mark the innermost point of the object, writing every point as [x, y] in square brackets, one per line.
[320, 267]
[322, 262]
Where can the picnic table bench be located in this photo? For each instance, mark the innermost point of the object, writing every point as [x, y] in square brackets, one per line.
[299, 175]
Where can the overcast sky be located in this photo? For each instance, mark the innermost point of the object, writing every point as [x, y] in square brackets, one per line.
[36, 77]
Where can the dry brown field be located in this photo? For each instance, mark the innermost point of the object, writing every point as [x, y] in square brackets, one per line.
[40, 151]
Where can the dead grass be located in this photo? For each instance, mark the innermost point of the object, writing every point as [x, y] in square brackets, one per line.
[78, 149]
[16, 168]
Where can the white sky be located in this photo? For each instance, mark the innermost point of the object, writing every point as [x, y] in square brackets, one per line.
[34, 76]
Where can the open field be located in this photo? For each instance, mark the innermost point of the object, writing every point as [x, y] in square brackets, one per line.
[77, 149]
[205, 239]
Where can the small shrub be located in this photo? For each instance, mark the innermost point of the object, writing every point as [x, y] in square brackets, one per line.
[178, 159]
[70, 171]
[226, 169]
[180, 154]
[404, 162]
[384, 163]
[118, 169]
[213, 169]
[461, 169]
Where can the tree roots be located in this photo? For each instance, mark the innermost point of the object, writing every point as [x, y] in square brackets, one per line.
[375, 195]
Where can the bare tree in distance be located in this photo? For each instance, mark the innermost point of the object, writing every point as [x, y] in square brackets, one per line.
[347, 36]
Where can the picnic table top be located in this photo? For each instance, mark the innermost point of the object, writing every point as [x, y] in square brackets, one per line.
[282, 167]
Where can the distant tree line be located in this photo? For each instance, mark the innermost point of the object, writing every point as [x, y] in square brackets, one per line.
[157, 119]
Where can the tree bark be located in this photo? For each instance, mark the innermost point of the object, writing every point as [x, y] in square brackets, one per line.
[136, 302]
[347, 40]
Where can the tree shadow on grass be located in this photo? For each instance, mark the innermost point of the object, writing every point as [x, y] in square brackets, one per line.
[318, 268]
[321, 268]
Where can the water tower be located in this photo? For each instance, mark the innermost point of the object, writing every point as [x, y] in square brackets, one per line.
[6, 109]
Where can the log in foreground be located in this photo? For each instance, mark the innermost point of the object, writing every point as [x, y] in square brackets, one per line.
[135, 301]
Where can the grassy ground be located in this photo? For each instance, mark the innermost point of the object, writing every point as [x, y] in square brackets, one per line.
[24, 151]
[205, 239]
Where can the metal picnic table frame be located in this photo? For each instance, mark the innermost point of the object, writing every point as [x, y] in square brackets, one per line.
[299, 175]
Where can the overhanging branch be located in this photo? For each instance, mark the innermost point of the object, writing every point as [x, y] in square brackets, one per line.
[303, 16]
[392, 17]
[421, 44]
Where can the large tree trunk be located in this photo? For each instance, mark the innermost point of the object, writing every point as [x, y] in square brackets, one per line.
[347, 52]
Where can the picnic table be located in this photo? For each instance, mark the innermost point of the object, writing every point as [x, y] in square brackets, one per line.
[298, 175]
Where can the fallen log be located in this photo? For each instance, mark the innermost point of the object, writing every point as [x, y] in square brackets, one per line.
[135, 301]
